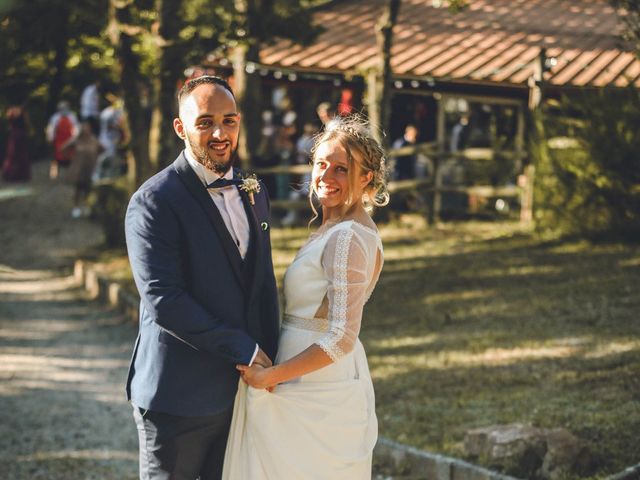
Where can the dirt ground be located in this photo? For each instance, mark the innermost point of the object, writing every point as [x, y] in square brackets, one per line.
[63, 358]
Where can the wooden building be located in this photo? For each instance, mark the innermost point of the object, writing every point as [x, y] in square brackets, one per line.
[478, 63]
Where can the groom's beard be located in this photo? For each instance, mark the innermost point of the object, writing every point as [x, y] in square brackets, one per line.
[218, 166]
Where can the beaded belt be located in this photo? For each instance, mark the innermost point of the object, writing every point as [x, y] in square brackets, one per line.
[313, 324]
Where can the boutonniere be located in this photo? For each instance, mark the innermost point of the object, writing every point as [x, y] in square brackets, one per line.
[251, 185]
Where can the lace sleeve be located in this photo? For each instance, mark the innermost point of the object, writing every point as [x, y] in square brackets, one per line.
[345, 264]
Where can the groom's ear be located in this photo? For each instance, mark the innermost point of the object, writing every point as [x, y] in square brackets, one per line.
[178, 126]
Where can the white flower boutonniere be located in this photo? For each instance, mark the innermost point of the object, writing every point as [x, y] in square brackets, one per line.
[251, 185]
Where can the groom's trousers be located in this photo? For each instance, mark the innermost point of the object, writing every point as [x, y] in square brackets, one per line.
[181, 448]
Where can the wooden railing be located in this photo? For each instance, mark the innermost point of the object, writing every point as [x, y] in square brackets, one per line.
[430, 187]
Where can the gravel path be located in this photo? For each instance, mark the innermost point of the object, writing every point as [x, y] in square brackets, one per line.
[63, 358]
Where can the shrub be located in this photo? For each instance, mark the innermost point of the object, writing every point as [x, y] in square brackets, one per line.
[109, 201]
[589, 182]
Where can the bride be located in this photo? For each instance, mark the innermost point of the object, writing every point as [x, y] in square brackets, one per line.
[312, 414]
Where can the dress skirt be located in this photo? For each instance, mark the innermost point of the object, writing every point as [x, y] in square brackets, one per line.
[320, 426]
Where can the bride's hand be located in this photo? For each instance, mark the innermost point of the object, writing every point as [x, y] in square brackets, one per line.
[257, 376]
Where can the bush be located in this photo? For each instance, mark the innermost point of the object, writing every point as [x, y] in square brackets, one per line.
[108, 202]
[589, 182]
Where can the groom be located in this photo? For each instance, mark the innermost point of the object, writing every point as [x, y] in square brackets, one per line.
[201, 259]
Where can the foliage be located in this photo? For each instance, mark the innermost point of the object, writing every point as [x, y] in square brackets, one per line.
[53, 48]
[266, 20]
[629, 11]
[109, 204]
[252, 23]
[457, 6]
[590, 185]
[30, 30]
[50, 50]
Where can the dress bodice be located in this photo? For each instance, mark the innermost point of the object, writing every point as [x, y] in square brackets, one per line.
[330, 280]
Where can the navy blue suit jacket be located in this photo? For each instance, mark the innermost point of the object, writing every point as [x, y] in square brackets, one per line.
[203, 307]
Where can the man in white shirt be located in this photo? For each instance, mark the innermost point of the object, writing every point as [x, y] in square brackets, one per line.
[200, 254]
[90, 106]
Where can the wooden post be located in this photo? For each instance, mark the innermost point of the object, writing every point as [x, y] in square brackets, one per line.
[526, 193]
[538, 137]
[379, 78]
[519, 140]
[441, 134]
[373, 103]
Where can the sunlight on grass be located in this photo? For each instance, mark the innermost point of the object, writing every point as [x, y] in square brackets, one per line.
[399, 342]
[507, 328]
[630, 262]
[79, 454]
[489, 357]
[525, 270]
[613, 348]
[445, 297]
[481, 323]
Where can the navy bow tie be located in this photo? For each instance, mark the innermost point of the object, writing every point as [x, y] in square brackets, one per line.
[224, 182]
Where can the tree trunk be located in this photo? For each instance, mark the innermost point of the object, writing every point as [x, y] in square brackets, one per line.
[164, 144]
[248, 96]
[380, 96]
[61, 52]
[129, 66]
[247, 86]
[537, 138]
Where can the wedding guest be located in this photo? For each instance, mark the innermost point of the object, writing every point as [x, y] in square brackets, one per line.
[405, 165]
[17, 162]
[325, 112]
[86, 151]
[300, 183]
[113, 135]
[90, 106]
[61, 131]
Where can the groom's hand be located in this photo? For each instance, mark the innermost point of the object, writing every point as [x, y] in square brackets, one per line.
[257, 376]
[262, 359]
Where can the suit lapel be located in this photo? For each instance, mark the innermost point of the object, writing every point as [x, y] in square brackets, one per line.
[254, 240]
[198, 190]
[255, 244]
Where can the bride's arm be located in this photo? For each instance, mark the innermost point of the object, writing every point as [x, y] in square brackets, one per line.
[345, 264]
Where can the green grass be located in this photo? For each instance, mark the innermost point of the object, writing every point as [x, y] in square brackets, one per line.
[474, 324]
[480, 323]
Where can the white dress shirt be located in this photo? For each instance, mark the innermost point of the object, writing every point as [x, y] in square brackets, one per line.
[228, 202]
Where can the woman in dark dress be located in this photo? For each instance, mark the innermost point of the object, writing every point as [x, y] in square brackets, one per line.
[17, 164]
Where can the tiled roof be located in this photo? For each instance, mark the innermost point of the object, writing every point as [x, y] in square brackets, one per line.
[492, 41]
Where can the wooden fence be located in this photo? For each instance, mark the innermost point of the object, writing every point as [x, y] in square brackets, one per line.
[432, 188]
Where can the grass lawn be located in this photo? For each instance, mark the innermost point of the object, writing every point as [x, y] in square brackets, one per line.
[480, 323]
[474, 324]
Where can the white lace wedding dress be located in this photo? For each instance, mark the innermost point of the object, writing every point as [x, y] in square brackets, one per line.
[322, 425]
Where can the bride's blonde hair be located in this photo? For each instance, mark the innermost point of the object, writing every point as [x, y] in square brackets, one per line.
[354, 134]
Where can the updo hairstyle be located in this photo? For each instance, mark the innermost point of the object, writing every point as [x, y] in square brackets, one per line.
[362, 149]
